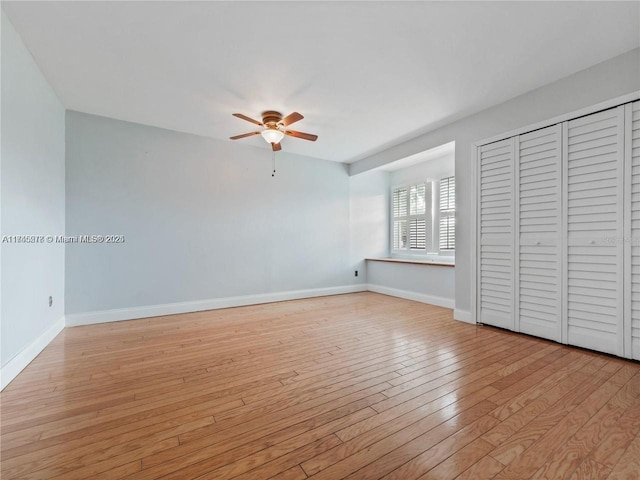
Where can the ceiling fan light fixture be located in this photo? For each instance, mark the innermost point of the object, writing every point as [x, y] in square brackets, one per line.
[272, 135]
[274, 128]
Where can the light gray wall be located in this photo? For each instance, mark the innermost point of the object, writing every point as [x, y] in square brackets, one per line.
[369, 215]
[202, 218]
[433, 281]
[432, 170]
[370, 210]
[610, 79]
[32, 193]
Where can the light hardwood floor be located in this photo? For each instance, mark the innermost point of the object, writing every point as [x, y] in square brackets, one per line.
[359, 386]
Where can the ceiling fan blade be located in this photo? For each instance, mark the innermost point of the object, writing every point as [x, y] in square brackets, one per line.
[248, 119]
[291, 118]
[304, 136]
[244, 135]
[276, 147]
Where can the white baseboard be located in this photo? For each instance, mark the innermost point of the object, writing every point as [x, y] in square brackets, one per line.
[463, 316]
[103, 316]
[418, 297]
[14, 366]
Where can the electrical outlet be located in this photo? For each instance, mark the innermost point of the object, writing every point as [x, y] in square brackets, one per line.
[50, 300]
[356, 273]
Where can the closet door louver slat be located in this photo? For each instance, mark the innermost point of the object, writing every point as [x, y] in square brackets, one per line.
[496, 234]
[539, 300]
[593, 193]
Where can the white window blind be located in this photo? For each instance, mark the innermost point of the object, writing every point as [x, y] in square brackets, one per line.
[400, 203]
[410, 222]
[418, 235]
[399, 234]
[447, 226]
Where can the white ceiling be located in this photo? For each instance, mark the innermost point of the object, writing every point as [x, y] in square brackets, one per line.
[366, 75]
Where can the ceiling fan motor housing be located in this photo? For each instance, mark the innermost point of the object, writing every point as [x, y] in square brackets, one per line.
[271, 118]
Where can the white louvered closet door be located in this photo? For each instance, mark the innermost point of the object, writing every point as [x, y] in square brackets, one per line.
[539, 220]
[496, 234]
[594, 222]
[632, 233]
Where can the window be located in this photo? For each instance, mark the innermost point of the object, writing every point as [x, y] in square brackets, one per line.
[411, 218]
[447, 224]
[424, 216]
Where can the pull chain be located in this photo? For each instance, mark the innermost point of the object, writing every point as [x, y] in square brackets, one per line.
[273, 162]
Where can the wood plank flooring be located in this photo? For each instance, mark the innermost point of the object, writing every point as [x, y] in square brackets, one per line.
[359, 386]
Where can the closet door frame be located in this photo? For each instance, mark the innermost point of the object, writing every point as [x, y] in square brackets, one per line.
[564, 249]
[626, 235]
[515, 258]
[621, 240]
[475, 193]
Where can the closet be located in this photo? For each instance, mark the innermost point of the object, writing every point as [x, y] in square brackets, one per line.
[558, 245]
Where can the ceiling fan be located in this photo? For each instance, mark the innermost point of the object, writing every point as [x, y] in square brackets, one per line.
[274, 128]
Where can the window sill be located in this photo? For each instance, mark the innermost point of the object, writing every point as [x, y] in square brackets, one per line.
[415, 262]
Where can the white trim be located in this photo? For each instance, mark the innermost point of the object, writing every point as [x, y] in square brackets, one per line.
[561, 236]
[415, 296]
[626, 236]
[103, 316]
[515, 258]
[463, 316]
[564, 227]
[620, 347]
[612, 103]
[14, 366]
[475, 232]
